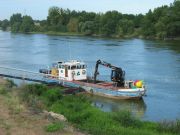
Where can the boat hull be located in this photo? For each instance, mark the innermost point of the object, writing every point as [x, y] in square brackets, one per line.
[136, 93]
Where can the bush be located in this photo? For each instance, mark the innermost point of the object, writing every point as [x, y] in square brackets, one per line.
[54, 127]
[30, 94]
[35, 89]
[52, 95]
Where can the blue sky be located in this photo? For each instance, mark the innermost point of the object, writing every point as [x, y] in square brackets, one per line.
[38, 9]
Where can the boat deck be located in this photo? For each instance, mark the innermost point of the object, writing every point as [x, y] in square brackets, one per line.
[100, 84]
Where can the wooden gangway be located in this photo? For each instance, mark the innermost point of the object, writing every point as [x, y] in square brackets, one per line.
[22, 74]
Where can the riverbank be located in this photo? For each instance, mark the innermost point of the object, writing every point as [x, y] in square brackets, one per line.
[58, 33]
[102, 36]
[108, 37]
[82, 35]
[78, 111]
[16, 118]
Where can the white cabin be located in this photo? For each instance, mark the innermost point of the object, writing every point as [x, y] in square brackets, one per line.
[72, 70]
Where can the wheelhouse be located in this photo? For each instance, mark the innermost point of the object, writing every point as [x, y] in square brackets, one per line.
[72, 70]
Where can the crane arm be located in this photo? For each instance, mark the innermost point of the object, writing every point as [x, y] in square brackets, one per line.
[117, 74]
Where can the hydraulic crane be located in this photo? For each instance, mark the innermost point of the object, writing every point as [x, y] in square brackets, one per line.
[117, 74]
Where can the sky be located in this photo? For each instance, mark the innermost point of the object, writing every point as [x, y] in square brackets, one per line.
[38, 9]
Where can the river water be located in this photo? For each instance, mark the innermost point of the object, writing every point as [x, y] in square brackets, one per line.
[155, 62]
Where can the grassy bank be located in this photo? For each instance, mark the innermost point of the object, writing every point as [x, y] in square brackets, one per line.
[78, 111]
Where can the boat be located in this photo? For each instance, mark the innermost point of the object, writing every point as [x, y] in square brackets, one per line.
[73, 73]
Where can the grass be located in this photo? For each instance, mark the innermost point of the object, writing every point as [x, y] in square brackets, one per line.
[53, 127]
[169, 126]
[79, 112]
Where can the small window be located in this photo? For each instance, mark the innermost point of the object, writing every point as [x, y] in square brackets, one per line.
[73, 67]
[69, 67]
[83, 66]
[78, 66]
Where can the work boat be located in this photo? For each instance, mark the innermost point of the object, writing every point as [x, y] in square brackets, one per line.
[74, 74]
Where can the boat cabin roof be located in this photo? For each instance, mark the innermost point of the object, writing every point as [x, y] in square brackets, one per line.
[71, 63]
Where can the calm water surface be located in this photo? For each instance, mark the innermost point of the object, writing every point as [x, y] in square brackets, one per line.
[156, 62]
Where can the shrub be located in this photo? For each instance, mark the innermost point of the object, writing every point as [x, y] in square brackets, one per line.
[31, 91]
[54, 127]
[35, 89]
[52, 95]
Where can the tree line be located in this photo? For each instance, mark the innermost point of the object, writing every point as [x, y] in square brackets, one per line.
[162, 22]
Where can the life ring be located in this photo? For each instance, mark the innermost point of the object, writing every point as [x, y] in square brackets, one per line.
[84, 72]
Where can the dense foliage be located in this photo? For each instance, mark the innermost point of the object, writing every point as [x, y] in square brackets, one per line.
[163, 22]
[4, 24]
[79, 111]
[21, 24]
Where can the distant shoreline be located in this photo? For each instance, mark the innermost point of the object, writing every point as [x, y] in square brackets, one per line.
[99, 36]
[102, 36]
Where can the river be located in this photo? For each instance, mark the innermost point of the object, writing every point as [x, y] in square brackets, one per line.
[155, 62]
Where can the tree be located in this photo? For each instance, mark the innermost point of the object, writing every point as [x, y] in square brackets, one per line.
[58, 19]
[5, 24]
[125, 27]
[16, 18]
[16, 27]
[87, 28]
[15, 21]
[27, 24]
[73, 25]
[109, 22]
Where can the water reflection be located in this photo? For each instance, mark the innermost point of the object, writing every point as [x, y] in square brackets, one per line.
[137, 107]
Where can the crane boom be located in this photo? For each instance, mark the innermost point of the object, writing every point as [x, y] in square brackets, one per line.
[117, 74]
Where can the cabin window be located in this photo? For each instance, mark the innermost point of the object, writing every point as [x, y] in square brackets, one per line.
[73, 67]
[78, 66]
[83, 66]
[69, 67]
[62, 66]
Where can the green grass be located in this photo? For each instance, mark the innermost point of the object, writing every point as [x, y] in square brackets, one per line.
[54, 127]
[79, 112]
